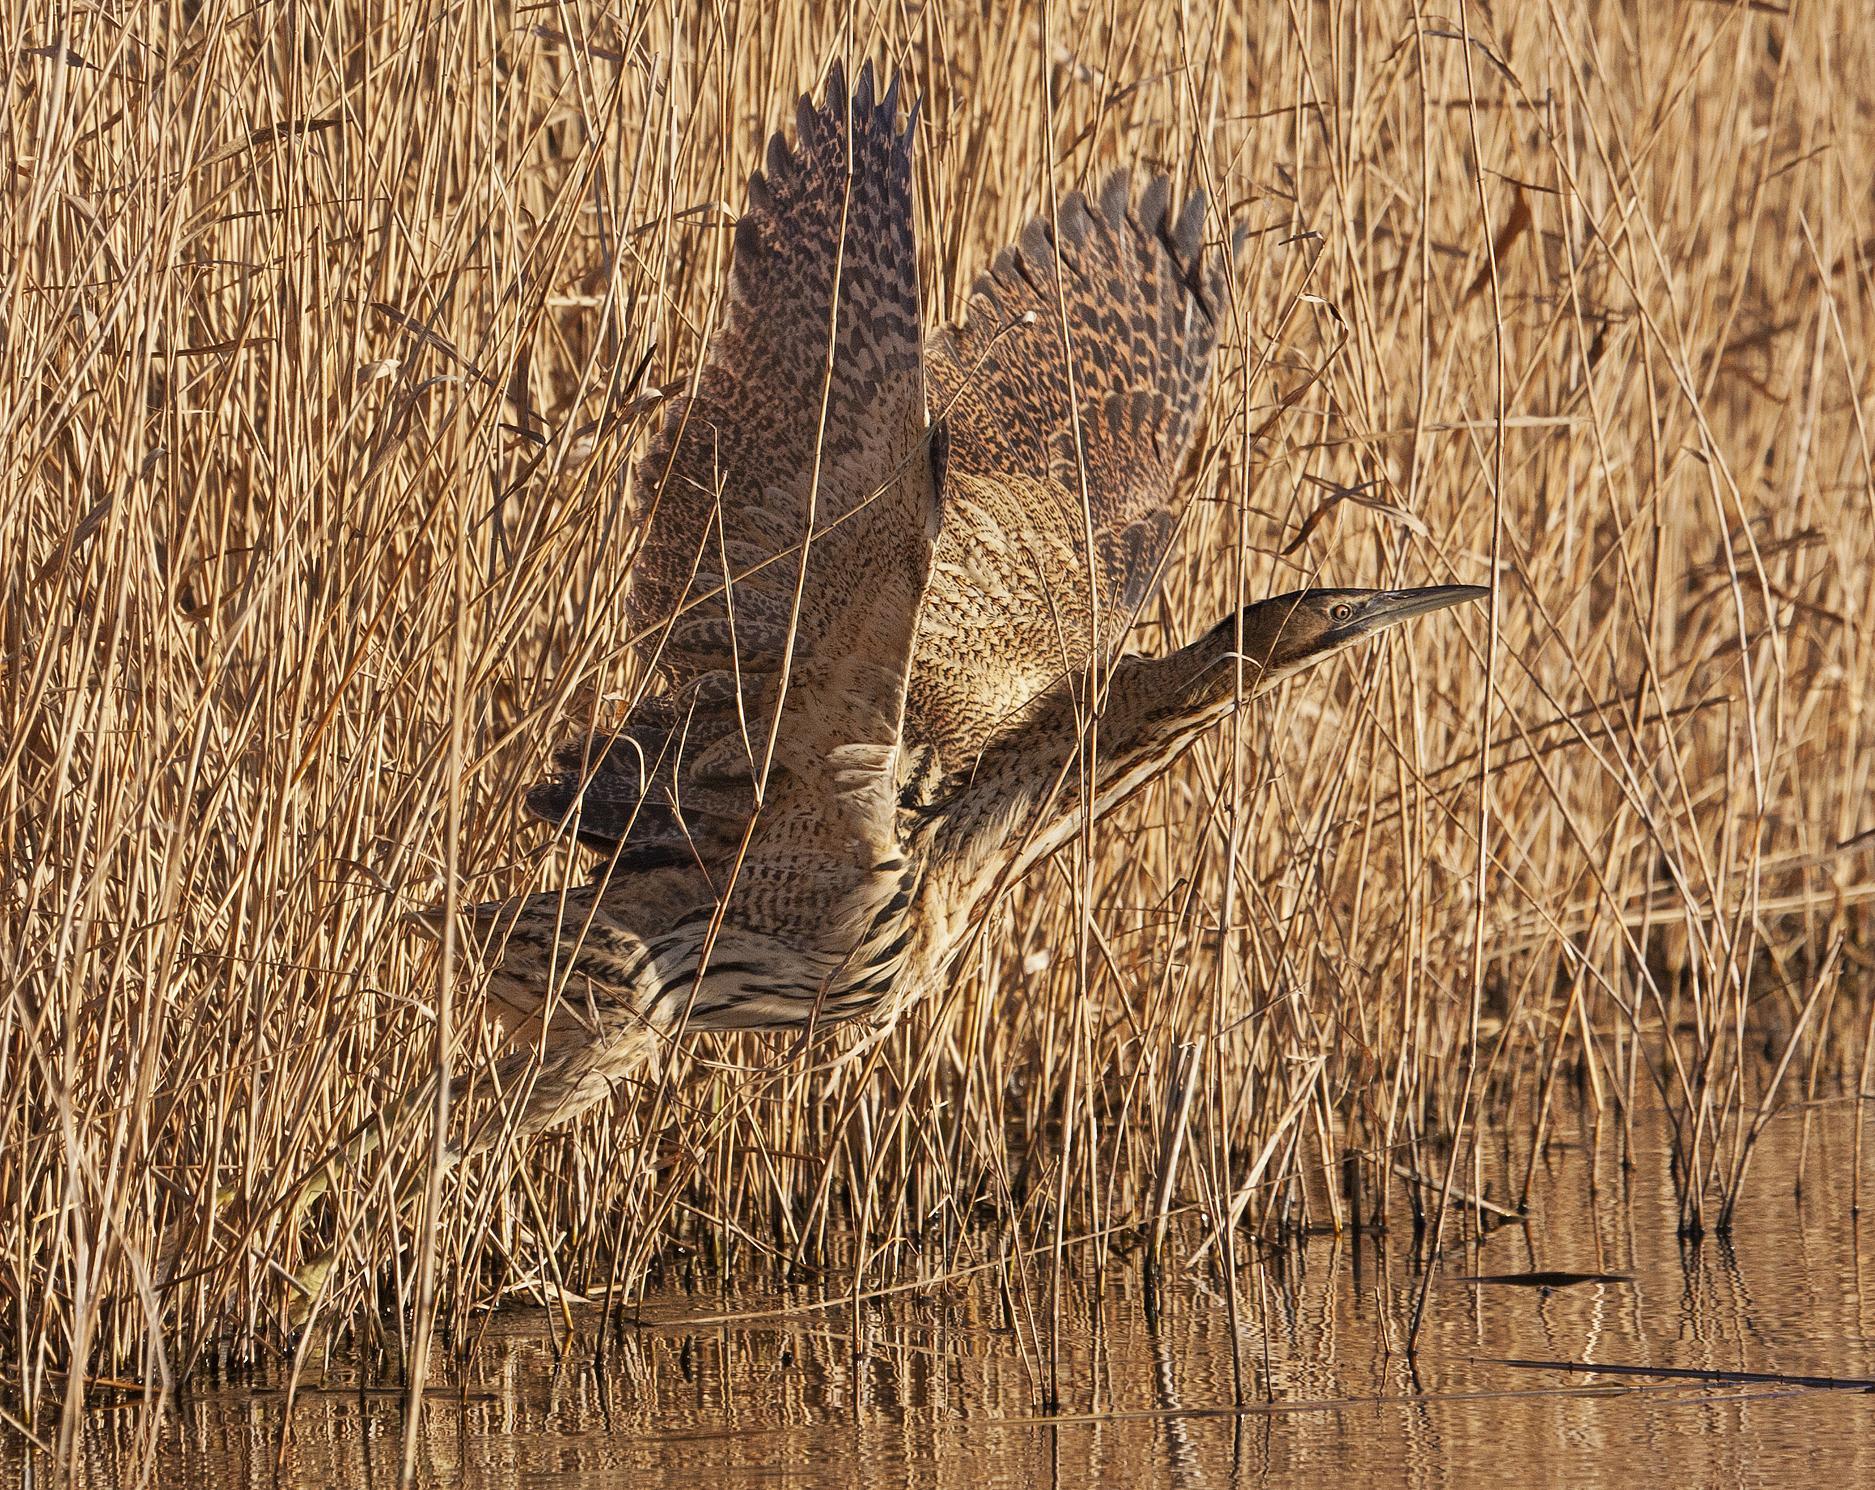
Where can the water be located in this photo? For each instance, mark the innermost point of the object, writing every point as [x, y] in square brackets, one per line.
[945, 1392]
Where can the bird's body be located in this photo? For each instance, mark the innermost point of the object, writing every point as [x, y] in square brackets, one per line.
[884, 579]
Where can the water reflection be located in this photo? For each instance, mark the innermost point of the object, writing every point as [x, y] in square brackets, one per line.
[947, 1390]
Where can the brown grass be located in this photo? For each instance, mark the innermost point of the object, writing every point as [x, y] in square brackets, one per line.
[322, 368]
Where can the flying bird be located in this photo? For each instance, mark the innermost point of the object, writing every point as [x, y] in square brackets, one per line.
[882, 589]
[881, 594]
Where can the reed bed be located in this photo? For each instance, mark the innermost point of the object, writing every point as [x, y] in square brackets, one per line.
[330, 336]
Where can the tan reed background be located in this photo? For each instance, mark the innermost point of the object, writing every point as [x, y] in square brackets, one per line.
[330, 334]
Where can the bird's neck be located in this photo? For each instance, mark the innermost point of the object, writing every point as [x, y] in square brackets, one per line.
[1026, 797]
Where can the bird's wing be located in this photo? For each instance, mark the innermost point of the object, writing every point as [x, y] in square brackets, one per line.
[792, 504]
[1071, 391]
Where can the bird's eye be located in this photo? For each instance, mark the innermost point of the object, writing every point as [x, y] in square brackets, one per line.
[1341, 611]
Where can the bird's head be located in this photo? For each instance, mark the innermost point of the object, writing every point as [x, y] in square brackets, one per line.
[1287, 633]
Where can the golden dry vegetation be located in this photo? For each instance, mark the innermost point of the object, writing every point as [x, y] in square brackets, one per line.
[330, 335]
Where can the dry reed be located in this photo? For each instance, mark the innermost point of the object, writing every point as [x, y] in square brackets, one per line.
[330, 334]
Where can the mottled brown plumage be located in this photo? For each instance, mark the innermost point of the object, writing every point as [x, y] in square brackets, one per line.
[799, 470]
[873, 610]
[1072, 388]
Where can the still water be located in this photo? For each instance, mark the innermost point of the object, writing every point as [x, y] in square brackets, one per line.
[749, 1390]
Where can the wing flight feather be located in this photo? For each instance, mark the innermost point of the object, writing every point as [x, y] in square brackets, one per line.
[1071, 389]
[792, 504]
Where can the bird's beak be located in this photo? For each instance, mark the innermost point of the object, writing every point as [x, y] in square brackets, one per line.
[1391, 607]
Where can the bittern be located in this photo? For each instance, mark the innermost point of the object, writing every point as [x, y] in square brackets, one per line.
[882, 591]
[879, 574]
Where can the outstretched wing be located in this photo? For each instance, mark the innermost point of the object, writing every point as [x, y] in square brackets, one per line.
[792, 504]
[1071, 390]
[808, 415]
